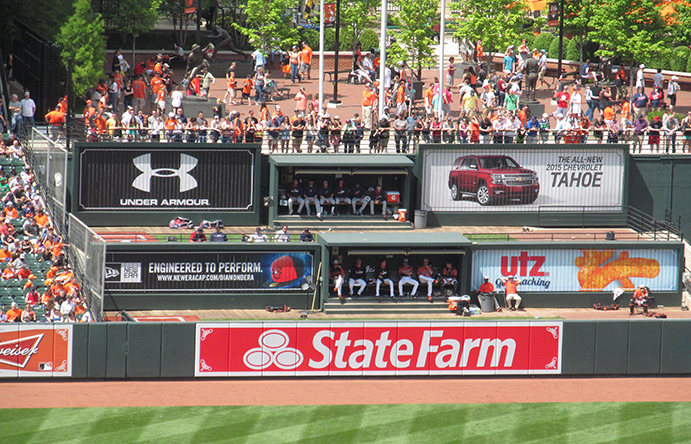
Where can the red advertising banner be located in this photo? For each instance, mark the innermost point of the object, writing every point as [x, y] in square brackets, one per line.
[35, 350]
[378, 348]
[190, 7]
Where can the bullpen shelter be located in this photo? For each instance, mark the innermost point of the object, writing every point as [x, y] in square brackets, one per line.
[373, 247]
[392, 172]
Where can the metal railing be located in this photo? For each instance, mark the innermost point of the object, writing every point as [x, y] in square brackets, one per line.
[646, 226]
[87, 254]
[50, 161]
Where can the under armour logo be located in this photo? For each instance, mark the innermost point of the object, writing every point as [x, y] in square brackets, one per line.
[143, 164]
[273, 349]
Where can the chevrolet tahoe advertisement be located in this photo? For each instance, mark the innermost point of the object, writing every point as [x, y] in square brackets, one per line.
[484, 179]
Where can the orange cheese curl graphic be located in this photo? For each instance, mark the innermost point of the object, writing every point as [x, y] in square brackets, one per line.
[593, 276]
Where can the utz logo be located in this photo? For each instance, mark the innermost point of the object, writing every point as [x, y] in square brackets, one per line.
[143, 164]
[523, 265]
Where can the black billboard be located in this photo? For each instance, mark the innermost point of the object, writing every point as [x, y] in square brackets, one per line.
[183, 272]
[163, 179]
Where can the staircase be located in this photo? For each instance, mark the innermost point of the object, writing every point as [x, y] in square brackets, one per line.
[368, 305]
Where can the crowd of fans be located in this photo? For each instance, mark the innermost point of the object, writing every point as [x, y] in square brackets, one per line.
[479, 106]
[36, 284]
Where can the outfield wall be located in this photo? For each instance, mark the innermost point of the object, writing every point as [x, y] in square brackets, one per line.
[272, 349]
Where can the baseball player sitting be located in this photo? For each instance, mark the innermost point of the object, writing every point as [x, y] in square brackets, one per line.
[405, 272]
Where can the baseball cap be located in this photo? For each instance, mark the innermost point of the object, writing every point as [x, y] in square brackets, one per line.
[307, 229]
[543, 51]
[336, 261]
[405, 259]
[642, 66]
[486, 278]
[512, 277]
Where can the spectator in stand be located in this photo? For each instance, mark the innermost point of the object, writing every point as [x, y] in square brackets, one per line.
[198, 236]
[14, 314]
[306, 236]
[511, 293]
[28, 109]
[305, 60]
[640, 101]
[218, 236]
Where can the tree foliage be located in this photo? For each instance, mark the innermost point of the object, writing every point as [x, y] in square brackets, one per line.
[414, 43]
[82, 41]
[632, 30]
[134, 17]
[356, 17]
[497, 23]
[270, 23]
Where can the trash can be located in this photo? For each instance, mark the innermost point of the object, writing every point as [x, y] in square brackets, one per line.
[420, 219]
[486, 302]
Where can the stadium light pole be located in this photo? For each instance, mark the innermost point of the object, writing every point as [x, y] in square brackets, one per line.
[382, 58]
[335, 100]
[321, 56]
[440, 93]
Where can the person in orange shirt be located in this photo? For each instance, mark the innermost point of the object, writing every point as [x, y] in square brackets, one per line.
[23, 273]
[41, 219]
[369, 97]
[55, 119]
[247, 86]
[511, 293]
[305, 60]
[14, 314]
[139, 94]
[487, 289]
[231, 85]
[9, 211]
[89, 111]
[639, 299]
[9, 273]
[5, 254]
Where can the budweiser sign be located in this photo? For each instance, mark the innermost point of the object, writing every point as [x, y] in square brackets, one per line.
[383, 348]
[35, 350]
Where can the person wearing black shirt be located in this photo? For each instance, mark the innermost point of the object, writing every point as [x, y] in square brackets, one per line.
[383, 277]
[326, 195]
[298, 126]
[340, 195]
[295, 195]
[378, 197]
[384, 126]
[357, 277]
[311, 195]
[336, 274]
[251, 123]
[356, 196]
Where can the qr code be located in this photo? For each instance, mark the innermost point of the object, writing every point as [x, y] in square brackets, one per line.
[131, 272]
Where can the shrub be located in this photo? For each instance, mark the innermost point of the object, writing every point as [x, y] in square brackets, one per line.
[572, 52]
[310, 36]
[369, 39]
[554, 48]
[543, 41]
[680, 57]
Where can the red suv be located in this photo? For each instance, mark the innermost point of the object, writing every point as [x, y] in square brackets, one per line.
[493, 178]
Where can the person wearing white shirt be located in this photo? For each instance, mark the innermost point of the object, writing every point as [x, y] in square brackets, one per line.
[176, 99]
[282, 235]
[258, 236]
[28, 109]
[576, 102]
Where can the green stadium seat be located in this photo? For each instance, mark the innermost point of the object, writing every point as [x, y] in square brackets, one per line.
[6, 300]
[20, 300]
[12, 283]
[40, 310]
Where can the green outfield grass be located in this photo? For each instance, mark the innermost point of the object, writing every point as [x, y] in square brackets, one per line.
[439, 423]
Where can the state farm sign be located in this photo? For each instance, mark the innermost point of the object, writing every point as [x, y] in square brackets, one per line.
[35, 350]
[381, 348]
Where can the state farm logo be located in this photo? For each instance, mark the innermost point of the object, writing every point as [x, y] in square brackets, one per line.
[18, 352]
[143, 181]
[273, 350]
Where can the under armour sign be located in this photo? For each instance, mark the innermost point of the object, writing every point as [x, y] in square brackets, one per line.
[143, 164]
[146, 178]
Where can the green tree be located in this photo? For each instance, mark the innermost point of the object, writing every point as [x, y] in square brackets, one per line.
[572, 52]
[577, 23]
[134, 17]
[632, 30]
[498, 23]
[415, 36]
[82, 41]
[269, 23]
[543, 41]
[358, 16]
[680, 56]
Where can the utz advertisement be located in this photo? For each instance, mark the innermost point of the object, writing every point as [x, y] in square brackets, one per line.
[145, 179]
[35, 350]
[180, 272]
[572, 270]
[486, 179]
[378, 348]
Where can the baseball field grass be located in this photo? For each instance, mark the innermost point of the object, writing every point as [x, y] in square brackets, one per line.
[422, 423]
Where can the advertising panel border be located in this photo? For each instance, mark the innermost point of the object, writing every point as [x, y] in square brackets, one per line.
[36, 350]
[255, 349]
